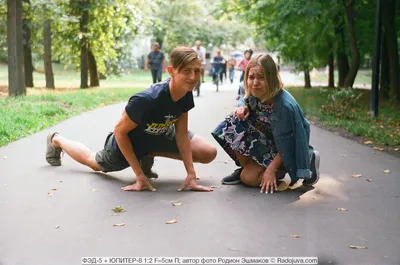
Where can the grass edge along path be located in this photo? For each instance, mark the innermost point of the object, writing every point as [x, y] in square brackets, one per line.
[382, 133]
[23, 116]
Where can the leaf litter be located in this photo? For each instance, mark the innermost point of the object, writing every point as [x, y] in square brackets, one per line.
[177, 203]
[172, 221]
[357, 247]
[119, 209]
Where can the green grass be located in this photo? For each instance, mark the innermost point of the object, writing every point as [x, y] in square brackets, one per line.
[364, 77]
[384, 130]
[23, 116]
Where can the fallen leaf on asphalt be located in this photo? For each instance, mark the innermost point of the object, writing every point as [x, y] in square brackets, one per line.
[368, 142]
[49, 194]
[119, 209]
[343, 155]
[121, 224]
[4, 157]
[57, 227]
[177, 203]
[54, 189]
[357, 247]
[386, 171]
[342, 209]
[60, 181]
[172, 221]
[114, 214]
[356, 175]
[233, 249]
[378, 148]
[94, 190]
[214, 187]
[396, 149]
[369, 180]
[294, 235]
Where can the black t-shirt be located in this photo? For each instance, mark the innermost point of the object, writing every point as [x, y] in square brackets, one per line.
[154, 112]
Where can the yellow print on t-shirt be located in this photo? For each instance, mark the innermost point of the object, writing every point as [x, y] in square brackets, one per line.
[159, 128]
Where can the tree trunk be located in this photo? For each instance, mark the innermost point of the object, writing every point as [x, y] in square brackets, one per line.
[341, 56]
[16, 85]
[389, 24]
[307, 79]
[94, 75]
[331, 66]
[385, 78]
[48, 68]
[84, 43]
[28, 64]
[355, 54]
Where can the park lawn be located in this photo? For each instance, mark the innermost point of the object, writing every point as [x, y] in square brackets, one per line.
[22, 116]
[382, 131]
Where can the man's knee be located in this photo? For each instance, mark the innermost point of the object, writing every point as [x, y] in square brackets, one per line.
[208, 155]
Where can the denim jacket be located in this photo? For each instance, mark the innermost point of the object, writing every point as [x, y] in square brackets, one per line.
[291, 132]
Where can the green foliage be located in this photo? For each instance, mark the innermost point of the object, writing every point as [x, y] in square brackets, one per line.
[342, 103]
[183, 22]
[385, 130]
[3, 31]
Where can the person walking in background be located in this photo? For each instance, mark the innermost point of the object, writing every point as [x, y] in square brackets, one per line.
[218, 62]
[231, 68]
[243, 64]
[201, 52]
[157, 63]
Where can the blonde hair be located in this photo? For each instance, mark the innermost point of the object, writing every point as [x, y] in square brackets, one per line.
[182, 56]
[274, 83]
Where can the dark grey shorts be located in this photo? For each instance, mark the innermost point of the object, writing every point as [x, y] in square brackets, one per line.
[110, 159]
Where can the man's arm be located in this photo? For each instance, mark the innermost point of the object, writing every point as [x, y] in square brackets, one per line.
[183, 143]
[185, 150]
[146, 63]
[121, 130]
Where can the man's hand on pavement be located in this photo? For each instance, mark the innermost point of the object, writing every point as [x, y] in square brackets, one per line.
[142, 183]
[190, 182]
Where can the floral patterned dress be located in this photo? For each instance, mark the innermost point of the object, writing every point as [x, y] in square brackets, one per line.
[252, 137]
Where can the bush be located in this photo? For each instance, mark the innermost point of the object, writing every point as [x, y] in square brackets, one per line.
[342, 103]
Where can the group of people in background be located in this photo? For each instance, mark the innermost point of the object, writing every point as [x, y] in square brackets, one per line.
[220, 67]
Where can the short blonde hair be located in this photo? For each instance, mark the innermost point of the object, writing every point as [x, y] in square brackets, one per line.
[182, 56]
[271, 75]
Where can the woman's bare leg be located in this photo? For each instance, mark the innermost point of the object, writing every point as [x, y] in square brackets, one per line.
[77, 151]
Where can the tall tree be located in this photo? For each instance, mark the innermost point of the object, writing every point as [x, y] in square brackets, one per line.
[355, 53]
[83, 23]
[16, 86]
[48, 68]
[341, 55]
[390, 35]
[94, 75]
[28, 64]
